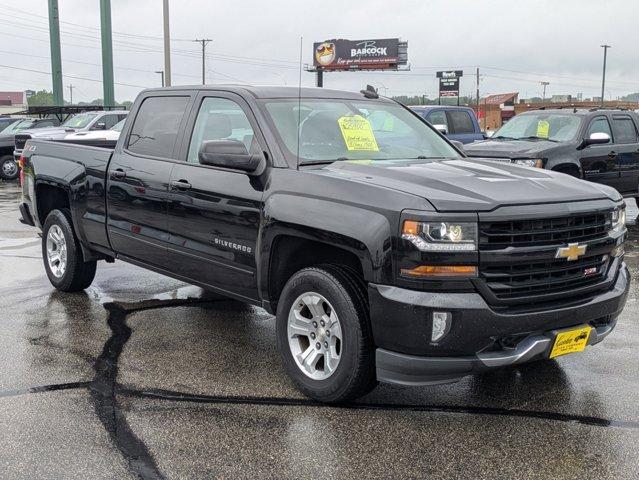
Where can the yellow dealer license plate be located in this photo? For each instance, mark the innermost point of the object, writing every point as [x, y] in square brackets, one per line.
[570, 341]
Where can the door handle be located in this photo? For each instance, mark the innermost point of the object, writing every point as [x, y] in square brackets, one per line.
[612, 154]
[118, 174]
[180, 185]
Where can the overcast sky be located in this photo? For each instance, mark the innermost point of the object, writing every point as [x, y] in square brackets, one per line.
[515, 43]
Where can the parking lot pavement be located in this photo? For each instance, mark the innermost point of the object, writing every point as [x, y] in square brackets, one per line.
[142, 376]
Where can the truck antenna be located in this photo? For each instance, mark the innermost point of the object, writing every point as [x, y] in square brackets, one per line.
[299, 108]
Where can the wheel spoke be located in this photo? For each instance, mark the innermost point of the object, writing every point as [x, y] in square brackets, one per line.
[330, 360]
[298, 325]
[54, 257]
[309, 359]
[315, 305]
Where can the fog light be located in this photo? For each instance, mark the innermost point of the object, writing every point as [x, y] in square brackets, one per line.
[441, 325]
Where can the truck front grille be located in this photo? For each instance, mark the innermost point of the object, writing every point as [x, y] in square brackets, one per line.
[511, 277]
[543, 231]
[539, 279]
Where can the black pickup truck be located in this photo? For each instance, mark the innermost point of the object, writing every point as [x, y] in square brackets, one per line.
[599, 145]
[384, 253]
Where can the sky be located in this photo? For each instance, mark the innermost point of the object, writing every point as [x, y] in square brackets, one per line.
[515, 43]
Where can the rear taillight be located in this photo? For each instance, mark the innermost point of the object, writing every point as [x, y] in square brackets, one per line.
[21, 163]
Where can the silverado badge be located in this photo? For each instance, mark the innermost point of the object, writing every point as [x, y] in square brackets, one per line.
[572, 252]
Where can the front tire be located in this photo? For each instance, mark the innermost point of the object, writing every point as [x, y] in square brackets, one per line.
[8, 168]
[324, 334]
[63, 261]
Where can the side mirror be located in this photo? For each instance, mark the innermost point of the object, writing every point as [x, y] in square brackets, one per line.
[443, 129]
[229, 154]
[459, 145]
[99, 126]
[597, 138]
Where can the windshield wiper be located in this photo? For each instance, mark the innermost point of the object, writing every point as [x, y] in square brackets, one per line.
[535, 137]
[502, 137]
[324, 162]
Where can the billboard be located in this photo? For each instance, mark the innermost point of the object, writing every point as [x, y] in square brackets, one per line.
[449, 83]
[378, 54]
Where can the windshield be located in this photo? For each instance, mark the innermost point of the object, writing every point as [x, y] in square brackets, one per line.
[548, 126]
[16, 127]
[79, 121]
[337, 129]
[118, 126]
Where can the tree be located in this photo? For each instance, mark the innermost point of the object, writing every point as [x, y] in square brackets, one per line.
[42, 98]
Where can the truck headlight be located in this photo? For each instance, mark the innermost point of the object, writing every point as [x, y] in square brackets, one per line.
[441, 236]
[529, 162]
[618, 220]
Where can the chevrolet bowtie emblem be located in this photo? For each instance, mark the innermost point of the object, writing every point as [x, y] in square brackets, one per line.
[572, 252]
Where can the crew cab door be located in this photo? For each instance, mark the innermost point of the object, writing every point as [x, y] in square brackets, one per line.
[599, 162]
[214, 213]
[627, 149]
[138, 179]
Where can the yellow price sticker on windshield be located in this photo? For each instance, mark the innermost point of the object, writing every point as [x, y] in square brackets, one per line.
[543, 129]
[358, 133]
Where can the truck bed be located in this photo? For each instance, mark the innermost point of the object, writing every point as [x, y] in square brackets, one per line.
[82, 166]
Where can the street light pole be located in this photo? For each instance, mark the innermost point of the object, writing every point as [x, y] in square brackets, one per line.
[167, 44]
[545, 84]
[161, 72]
[603, 77]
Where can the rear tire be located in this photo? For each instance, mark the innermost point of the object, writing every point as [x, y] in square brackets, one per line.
[334, 364]
[62, 256]
[8, 168]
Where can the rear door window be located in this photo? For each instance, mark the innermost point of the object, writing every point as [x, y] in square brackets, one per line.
[156, 126]
[625, 129]
[461, 122]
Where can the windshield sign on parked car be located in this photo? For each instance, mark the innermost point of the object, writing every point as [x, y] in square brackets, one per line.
[79, 121]
[331, 130]
[547, 126]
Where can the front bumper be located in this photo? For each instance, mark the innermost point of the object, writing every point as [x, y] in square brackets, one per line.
[401, 321]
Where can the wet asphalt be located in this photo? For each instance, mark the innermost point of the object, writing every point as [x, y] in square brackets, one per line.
[142, 376]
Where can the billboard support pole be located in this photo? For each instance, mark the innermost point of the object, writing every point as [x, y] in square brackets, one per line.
[320, 77]
[56, 57]
[107, 53]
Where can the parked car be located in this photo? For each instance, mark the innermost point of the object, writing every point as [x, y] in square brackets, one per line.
[112, 133]
[82, 122]
[8, 166]
[6, 121]
[599, 145]
[457, 123]
[384, 253]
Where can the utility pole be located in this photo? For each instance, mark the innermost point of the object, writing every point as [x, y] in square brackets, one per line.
[56, 56]
[167, 44]
[204, 42]
[603, 78]
[477, 93]
[71, 93]
[544, 84]
[107, 53]
[161, 72]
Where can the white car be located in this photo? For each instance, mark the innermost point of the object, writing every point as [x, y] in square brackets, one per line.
[111, 134]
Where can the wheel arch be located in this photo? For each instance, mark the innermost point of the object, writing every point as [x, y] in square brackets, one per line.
[307, 232]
